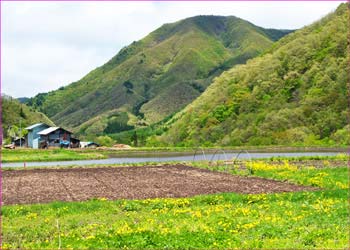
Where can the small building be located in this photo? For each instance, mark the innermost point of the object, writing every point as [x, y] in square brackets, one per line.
[41, 135]
[19, 141]
[88, 144]
[55, 137]
[74, 143]
[33, 137]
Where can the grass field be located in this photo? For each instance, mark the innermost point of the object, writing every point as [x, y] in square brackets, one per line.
[306, 220]
[28, 155]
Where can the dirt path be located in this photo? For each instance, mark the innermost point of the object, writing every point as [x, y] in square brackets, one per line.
[79, 184]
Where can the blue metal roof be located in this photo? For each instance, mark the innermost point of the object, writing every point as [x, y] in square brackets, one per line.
[35, 125]
[51, 129]
[48, 130]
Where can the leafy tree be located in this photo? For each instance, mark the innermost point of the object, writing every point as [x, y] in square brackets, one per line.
[105, 141]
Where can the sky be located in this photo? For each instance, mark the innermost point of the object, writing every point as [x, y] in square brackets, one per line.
[46, 45]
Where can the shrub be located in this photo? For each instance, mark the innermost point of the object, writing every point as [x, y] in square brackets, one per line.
[105, 141]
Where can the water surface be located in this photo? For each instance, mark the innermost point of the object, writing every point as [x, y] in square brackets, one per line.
[170, 157]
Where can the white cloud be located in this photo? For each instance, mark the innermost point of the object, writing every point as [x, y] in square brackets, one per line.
[49, 44]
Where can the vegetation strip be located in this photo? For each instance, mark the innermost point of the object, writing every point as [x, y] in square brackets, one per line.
[30, 155]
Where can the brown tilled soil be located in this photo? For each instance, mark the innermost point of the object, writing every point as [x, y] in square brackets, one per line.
[79, 184]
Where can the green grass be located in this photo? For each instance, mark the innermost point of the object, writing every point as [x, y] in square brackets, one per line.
[28, 155]
[303, 219]
[330, 178]
[341, 156]
[306, 220]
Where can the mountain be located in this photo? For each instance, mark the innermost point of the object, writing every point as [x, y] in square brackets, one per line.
[23, 99]
[295, 94]
[16, 114]
[155, 76]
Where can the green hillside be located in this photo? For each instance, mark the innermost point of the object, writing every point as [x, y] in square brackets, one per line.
[295, 94]
[155, 76]
[16, 114]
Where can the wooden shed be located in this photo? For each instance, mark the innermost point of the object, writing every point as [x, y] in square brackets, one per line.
[55, 137]
[19, 141]
[74, 143]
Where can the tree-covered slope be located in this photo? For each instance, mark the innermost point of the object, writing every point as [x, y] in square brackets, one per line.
[296, 93]
[156, 76]
[15, 114]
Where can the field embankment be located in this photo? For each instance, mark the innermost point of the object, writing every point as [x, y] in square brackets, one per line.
[28, 155]
[33, 155]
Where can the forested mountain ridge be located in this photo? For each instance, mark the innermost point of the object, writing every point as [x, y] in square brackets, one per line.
[295, 94]
[155, 76]
[16, 115]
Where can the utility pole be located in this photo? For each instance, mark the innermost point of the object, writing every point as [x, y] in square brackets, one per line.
[20, 132]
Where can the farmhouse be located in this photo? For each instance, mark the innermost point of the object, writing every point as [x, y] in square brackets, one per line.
[41, 135]
[33, 137]
[55, 137]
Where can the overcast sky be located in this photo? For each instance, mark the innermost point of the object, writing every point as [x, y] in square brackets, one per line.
[46, 45]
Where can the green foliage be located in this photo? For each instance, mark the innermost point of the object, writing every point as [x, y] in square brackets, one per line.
[158, 75]
[15, 131]
[295, 94]
[109, 122]
[128, 85]
[16, 115]
[342, 136]
[118, 123]
[145, 136]
[105, 141]
[37, 101]
[139, 137]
